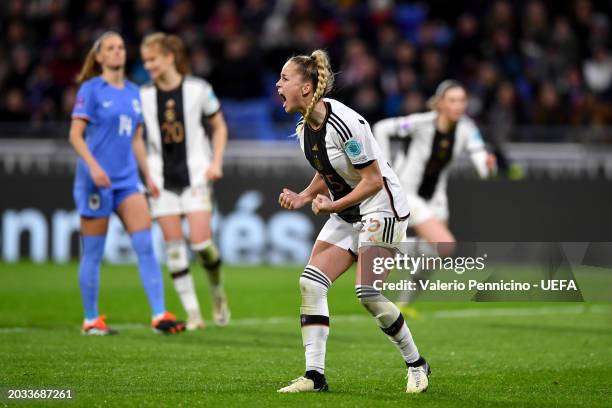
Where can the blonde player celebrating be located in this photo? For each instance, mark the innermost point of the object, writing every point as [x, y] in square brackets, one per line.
[436, 138]
[182, 167]
[368, 205]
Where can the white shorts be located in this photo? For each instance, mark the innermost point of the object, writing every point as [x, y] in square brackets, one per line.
[191, 199]
[381, 229]
[422, 210]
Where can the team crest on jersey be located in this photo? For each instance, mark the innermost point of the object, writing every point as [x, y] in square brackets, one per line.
[94, 201]
[444, 144]
[317, 163]
[353, 148]
[136, 106]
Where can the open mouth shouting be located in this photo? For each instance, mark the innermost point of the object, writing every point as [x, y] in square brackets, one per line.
[284, 99]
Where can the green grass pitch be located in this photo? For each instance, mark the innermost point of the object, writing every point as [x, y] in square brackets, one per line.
[520, 355]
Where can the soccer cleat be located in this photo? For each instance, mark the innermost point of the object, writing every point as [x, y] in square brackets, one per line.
[221, 311]
[418, 378]
[167, 324]
[195, 321]
[98, 328]
[312, 381]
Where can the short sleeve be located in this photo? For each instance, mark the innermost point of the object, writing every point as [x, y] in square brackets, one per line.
[85, 104]
[137, 106]
[210, 104]
[475, 147]
[474, 138]
[358, 146]
[404, 126]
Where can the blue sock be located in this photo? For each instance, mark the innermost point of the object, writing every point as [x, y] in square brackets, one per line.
[89, 272]
[150, 272]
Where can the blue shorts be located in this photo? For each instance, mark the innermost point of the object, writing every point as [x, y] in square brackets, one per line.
[95, 202]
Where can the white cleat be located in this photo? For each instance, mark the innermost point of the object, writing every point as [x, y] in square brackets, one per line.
[418, 379]
[303, 384]
[221, 311]
[195, 322]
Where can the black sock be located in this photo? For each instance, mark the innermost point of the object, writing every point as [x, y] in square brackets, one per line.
[316, 377]
[417, 363]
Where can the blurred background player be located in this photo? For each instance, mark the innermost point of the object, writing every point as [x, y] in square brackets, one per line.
[368, 206]
[182, 167]
[431, 141]
[106, 132]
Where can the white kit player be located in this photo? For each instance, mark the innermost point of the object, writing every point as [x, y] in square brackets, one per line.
[367, 207]
[435, 139]
[183, 165]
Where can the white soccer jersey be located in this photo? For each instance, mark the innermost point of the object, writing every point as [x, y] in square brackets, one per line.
[179, 151]
[423, 167]
[343, 144]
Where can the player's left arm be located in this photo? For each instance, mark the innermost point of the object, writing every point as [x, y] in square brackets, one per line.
[140, 152]
[483, 161]
[219, 141]
[360, 152]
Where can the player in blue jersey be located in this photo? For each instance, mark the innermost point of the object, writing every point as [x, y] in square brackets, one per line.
[106, 132]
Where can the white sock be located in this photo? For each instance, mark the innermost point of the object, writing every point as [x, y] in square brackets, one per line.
[314, 317]
[390, 320]
[210, 259]
[183, 284]
[178, 265]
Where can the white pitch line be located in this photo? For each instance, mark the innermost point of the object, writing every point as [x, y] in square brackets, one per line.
[440, 314]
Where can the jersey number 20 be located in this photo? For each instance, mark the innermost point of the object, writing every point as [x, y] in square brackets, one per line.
[173, 132]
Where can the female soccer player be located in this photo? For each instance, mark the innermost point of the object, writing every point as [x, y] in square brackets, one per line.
[106, 132]
[436, 138]
[368, 206]
[182, 166]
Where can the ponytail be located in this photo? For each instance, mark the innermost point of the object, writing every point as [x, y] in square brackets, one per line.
[315, 68]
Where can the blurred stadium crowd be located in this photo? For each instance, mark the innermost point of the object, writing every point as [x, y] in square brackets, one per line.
[527, 62]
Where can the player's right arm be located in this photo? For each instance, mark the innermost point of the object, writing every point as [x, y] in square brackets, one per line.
[83, 113]
[292, 201]
[77, 140]
[384, 129]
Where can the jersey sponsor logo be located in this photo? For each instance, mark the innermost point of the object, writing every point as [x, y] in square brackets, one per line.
[94, 201]
[136, 106]
[353, 148]
[107, 104]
